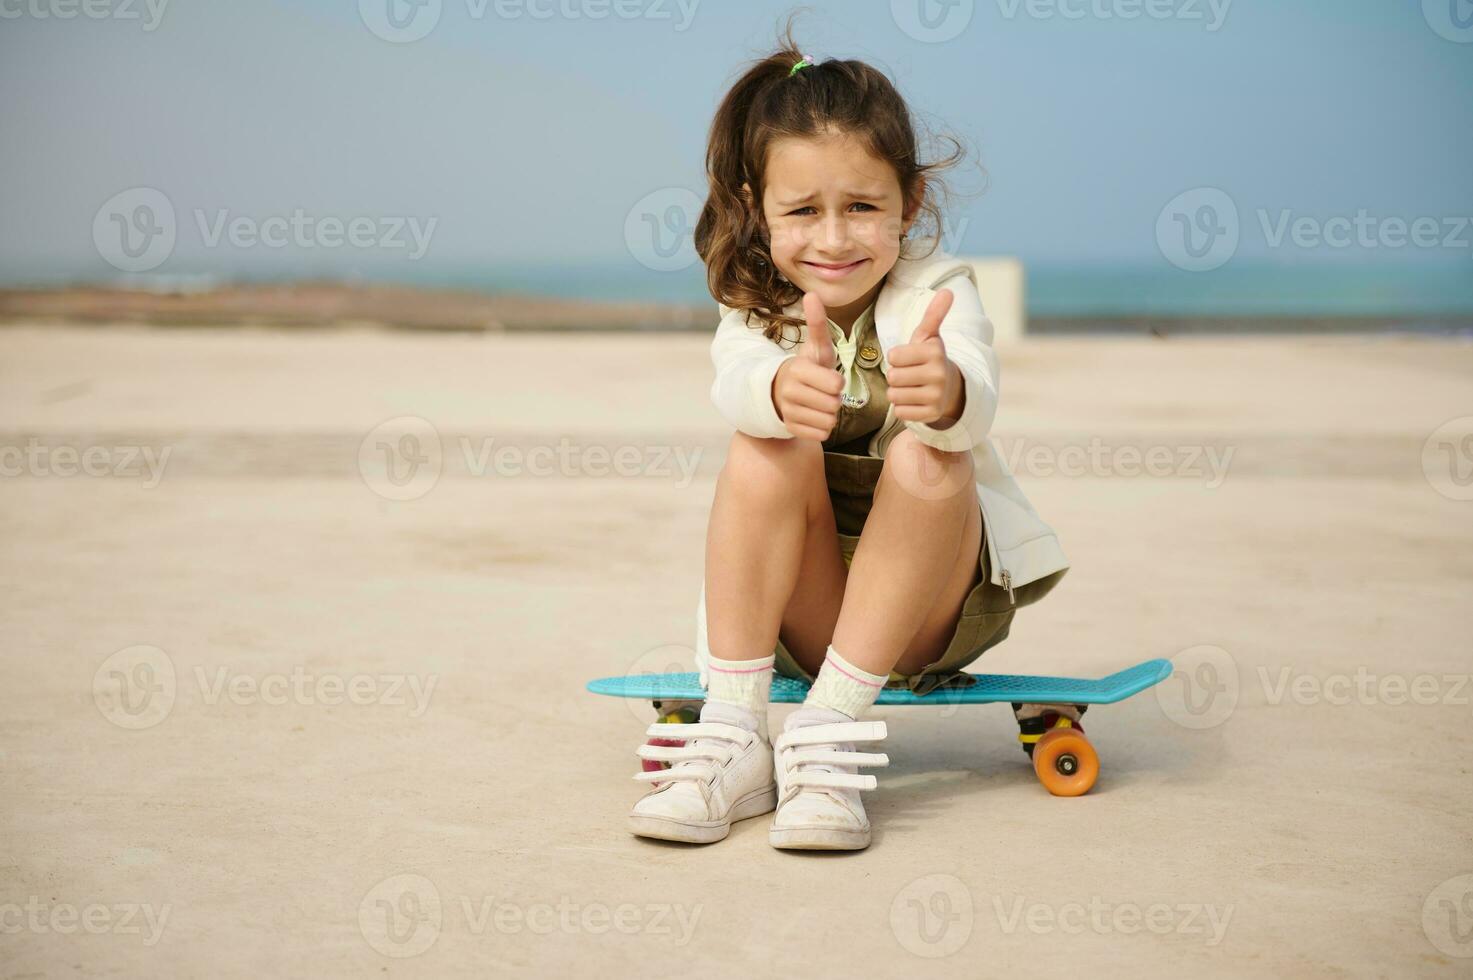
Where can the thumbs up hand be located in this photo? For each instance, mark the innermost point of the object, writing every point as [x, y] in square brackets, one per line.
[924, 385]
[819, 346]
[806, 389]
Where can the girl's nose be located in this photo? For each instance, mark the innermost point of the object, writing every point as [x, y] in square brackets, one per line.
[835, 232]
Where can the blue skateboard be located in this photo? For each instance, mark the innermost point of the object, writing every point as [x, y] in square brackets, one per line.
[1063, 758]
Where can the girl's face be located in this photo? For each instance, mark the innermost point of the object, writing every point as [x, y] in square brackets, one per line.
[835, 218]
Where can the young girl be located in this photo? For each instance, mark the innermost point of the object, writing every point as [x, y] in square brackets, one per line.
[864, 531]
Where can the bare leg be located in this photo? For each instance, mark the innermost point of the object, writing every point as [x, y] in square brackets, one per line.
[771, 519]
[916, 561]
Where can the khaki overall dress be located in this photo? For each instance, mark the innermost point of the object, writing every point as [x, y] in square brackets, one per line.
[853, 474]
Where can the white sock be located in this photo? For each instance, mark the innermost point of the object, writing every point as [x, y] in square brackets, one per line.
[844, 687]
[745, 683]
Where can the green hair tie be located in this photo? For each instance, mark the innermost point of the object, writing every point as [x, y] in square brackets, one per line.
[802, 63]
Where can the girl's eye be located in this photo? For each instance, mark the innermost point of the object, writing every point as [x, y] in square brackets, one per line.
[860, 204]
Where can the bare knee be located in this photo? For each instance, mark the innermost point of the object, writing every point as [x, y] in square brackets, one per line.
[779, 470]
[926, 472]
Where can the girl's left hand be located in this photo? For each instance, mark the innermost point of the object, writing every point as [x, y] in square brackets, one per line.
[924, 385]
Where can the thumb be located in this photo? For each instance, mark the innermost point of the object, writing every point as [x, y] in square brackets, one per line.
[930, 325]
[819, 346]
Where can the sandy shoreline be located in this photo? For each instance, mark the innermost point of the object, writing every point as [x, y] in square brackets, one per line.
[1315, 827]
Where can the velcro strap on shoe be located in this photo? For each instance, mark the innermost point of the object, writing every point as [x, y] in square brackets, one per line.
[832, 780]
[700, 729]
[843, 731]
[672, 775]
[830, 757]
[675, 753]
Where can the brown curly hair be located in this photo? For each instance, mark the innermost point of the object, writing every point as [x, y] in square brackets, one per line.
[769, 102]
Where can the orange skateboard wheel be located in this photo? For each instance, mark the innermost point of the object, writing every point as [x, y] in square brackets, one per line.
[1065, 762]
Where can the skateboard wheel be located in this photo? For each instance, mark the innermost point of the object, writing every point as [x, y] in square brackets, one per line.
[1065, 762]
[684, 715]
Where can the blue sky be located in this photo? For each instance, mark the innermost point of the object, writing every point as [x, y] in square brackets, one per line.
[529, 140]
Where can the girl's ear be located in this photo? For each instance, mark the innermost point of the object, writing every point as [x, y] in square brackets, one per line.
[759, 223]
[913, 207]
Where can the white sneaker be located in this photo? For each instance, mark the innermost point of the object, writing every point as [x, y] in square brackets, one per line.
[818, 783]
[722, 773]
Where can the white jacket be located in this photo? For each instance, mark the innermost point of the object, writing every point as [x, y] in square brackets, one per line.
[1021, 546]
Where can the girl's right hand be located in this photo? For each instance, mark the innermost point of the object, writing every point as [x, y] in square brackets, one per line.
[805, 390]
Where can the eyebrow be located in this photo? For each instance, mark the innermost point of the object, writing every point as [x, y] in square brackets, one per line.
[867, 192]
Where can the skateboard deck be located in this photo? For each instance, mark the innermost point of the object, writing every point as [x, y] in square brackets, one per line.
[988, 688]
[1063, 758]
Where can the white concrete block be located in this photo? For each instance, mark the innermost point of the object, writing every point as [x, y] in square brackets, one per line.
[1001, 282]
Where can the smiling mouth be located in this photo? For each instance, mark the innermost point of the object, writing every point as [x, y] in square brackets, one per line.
[828, 271]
